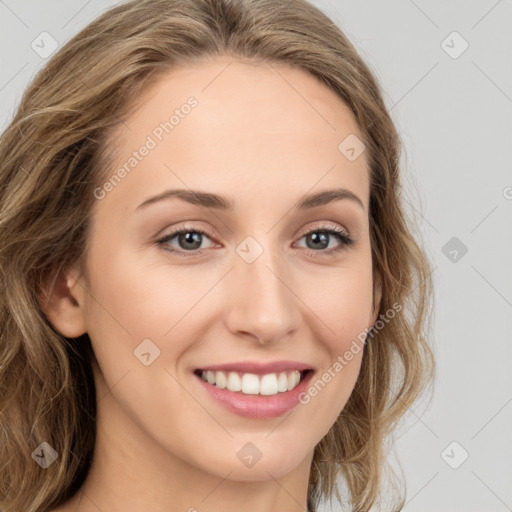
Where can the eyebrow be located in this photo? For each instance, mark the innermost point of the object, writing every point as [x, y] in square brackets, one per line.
[210, 200]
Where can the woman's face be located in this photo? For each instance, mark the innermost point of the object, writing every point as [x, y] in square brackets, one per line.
[263, 286]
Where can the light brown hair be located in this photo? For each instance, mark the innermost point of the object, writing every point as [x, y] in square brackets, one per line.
[55, 152]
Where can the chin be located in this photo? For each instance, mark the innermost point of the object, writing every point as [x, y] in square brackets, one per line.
[260, 460]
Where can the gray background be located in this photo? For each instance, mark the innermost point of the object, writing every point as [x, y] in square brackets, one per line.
[454, 116]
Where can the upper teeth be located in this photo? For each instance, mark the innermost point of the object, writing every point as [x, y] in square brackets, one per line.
[252, 384]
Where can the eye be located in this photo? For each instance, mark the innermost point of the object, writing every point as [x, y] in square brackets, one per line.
[320, 239]
[189, 237]
[189, 240]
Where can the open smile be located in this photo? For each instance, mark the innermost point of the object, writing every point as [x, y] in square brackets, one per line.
[254, 395]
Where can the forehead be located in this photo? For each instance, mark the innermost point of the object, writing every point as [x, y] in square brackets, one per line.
[255, 129]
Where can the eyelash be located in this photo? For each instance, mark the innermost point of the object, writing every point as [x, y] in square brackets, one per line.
[340, 234]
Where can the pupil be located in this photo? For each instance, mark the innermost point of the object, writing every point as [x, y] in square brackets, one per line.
[316, 238]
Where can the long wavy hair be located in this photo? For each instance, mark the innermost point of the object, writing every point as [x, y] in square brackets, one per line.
[55, 152]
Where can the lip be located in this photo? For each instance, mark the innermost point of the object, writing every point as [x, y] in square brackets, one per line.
[255, 406]
[257, 367]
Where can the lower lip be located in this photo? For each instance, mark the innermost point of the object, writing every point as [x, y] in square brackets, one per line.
[256, 406]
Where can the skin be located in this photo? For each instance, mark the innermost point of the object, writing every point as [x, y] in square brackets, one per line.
[262, 135]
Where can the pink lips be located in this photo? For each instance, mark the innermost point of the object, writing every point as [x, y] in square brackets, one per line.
[256, 406]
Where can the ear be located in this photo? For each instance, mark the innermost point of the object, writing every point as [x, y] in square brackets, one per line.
[62, 300]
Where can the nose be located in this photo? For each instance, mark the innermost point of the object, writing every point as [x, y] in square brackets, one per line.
[262, 304]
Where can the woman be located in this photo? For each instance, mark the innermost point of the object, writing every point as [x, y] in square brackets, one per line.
[211, 298]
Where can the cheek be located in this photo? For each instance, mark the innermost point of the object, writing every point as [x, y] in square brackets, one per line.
[142, 297]
[134, 300]
[343, 301]
[343, 313]
[124, 308]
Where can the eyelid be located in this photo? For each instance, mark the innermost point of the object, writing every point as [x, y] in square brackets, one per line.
[323, 226]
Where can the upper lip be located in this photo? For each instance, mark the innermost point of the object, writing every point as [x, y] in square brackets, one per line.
[257, 367]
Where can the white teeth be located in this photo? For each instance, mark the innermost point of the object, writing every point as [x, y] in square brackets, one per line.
[268, 384]
[282, 382]
[220, 380]
[252, 384]
[293, 380]
[234, 382]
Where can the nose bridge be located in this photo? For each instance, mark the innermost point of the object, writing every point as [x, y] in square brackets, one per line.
[262, 300]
